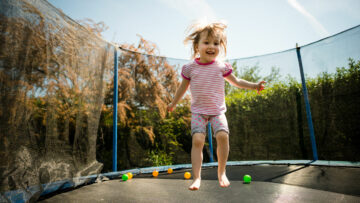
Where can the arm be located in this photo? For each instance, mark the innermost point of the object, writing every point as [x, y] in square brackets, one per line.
[179, 94]
[239, 83]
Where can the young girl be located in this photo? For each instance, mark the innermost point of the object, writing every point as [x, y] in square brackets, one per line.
[205, 75]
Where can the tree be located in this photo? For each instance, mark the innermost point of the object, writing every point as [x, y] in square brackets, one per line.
[252, 74]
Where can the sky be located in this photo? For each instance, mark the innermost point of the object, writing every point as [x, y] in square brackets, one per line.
[255, 27]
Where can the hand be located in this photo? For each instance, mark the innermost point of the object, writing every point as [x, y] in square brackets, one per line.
[260, 86]
[171, 107]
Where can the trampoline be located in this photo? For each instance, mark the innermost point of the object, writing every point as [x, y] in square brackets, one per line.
[296, 181]
[61, 87]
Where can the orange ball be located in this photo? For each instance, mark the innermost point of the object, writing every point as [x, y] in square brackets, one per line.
[130, 175]
[155, 173]
[187, 175]
[170, 170]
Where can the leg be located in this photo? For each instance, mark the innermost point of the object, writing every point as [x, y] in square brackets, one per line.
[198, 141]
[222, 139]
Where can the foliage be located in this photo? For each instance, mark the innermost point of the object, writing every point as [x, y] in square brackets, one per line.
[146, 85]
[273, 125]
[160, 158]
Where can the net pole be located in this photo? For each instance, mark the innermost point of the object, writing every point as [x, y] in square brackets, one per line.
[307, 106]
[210, 143]
[115, 101]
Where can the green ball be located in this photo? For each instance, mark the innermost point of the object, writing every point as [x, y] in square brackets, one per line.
[247, 178]
[125, 177]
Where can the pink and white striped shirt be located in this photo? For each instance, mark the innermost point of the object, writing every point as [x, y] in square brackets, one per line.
[207, 86]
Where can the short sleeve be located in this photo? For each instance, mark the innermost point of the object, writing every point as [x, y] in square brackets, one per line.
[227, 70]
[185, 72]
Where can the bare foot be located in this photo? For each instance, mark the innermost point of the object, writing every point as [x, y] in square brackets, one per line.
[223, 180]
[195, 185]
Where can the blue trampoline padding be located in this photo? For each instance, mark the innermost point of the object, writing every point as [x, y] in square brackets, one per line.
[23, 195]
[58, 185]
[239, 163]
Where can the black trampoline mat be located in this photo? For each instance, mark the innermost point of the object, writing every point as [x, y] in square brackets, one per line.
[270, 183]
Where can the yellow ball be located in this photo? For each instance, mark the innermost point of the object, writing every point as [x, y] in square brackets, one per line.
[155, 173]
[187, 175]
[130, 175]
[170, 170]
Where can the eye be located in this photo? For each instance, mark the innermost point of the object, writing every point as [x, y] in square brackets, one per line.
[216, 43]
[206, 42]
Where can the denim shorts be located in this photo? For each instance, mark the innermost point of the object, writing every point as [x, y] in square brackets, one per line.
[200, 121]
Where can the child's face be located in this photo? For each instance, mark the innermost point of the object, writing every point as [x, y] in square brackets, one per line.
[208, 48]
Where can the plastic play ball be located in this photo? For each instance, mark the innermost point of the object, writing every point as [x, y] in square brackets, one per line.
[125, 177]
[130, 175]
[187, 175]
[247, 179]
[170, 170]
[155, 173]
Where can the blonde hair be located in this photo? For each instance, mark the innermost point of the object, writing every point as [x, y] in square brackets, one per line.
[213, 29]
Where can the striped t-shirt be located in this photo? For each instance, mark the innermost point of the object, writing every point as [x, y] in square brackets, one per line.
[207, 86]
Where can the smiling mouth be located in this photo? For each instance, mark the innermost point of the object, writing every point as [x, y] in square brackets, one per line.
[210, 52]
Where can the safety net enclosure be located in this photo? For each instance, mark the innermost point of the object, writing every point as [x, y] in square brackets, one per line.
[57, 112]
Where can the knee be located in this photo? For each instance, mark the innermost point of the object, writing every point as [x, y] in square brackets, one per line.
[198, 140]
[222, 136]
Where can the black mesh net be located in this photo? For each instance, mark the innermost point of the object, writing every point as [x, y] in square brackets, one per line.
[53, 76]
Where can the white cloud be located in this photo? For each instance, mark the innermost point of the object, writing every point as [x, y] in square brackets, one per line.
[192, 9]
[319, 28]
